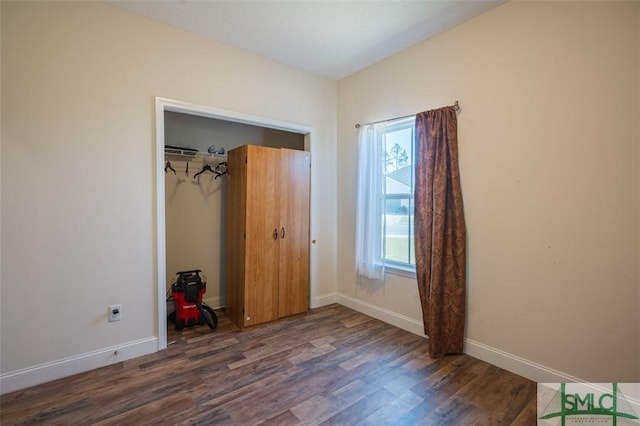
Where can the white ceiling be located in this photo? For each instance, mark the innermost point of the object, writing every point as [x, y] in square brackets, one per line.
[331, 38]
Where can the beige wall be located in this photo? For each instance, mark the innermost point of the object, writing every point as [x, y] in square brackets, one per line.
[548, 139]
[78, 174]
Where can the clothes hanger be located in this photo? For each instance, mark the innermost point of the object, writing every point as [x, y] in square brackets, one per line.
[168, 167]
[205, 168]
[220, 170]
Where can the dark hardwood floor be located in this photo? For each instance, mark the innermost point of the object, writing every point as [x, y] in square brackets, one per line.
[332, 366]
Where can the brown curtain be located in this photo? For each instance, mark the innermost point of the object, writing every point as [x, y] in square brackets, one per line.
[440, 234]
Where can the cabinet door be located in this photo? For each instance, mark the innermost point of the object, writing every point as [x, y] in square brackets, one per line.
[262, 235]
[236, 228]
[293, 297]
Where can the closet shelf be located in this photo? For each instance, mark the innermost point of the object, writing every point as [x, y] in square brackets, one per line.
[192, 154]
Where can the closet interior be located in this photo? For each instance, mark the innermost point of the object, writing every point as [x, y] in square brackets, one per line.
[197, 214]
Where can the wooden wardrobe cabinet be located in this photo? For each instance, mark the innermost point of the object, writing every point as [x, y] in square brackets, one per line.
[267, 256]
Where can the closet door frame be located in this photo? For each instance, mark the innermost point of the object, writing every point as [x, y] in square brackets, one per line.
[165, 104]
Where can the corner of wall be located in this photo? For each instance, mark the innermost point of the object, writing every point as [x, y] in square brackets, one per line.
[324, 300]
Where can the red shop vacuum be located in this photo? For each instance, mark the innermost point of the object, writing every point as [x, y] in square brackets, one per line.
[190, 310]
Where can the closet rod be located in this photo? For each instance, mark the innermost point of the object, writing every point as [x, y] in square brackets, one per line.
[455, 106]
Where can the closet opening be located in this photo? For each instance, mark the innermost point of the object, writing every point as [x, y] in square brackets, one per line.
[192, 143]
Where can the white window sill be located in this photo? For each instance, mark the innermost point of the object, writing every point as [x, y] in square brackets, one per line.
[399, 270]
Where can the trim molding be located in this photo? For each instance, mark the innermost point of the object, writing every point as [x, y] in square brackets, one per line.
[513, 363]
[518, 365]
[20, 379]
[23, 378]
[393, 318]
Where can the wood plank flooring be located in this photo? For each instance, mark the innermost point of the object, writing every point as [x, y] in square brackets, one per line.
[331, 366]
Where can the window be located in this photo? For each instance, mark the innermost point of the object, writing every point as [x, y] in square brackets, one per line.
[397, 140]
[384, 205]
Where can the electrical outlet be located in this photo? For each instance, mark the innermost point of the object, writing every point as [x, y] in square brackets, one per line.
[115, 313]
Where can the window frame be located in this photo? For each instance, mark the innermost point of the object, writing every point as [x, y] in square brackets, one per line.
[394, 266]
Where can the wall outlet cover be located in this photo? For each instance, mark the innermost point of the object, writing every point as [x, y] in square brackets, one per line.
[115, 313]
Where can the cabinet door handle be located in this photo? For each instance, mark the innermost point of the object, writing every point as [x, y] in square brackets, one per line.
[275, 234]
[282, 235]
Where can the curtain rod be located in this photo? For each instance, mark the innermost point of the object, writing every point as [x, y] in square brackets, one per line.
[455, 106]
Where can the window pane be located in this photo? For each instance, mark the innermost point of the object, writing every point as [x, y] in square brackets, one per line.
[399, 231]
[398, 150]
[398, 170]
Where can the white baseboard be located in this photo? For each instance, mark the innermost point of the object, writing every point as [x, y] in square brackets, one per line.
[515, 364]
[325, 300]
[20, 379]
[393, 318]
[42, 373]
